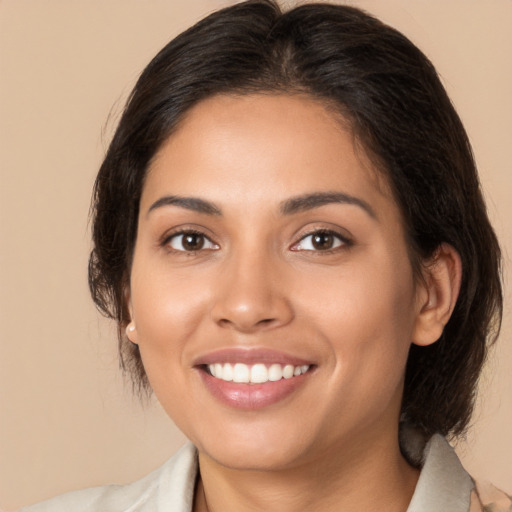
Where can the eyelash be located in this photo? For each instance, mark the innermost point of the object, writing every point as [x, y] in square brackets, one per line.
[344, 242]
[166, 242]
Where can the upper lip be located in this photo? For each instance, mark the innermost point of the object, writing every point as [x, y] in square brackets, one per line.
[250, 356]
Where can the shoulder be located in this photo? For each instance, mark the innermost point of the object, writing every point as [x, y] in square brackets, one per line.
[170, 486]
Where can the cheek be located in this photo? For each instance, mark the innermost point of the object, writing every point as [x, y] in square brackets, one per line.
[365, 295]
[168, 311]
[366, 313]
[167, 308]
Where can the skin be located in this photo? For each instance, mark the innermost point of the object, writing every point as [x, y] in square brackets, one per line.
[258, 282]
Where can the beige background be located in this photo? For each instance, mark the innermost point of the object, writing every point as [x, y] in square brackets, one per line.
[66, 419]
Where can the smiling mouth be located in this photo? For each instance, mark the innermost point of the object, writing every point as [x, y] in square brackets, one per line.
[258, 373]
[253, 380]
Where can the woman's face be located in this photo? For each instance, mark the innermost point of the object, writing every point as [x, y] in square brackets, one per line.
[268, 251]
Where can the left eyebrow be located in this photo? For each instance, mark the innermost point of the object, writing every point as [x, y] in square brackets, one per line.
[189, 203]
[317, 199]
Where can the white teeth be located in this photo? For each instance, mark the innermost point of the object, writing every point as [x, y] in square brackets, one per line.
[259, 374]
[288, 371]
[255, 374]
[227, 372]
[275, 372]
[240, 373]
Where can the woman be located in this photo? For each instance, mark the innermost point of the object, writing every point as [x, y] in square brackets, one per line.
[289, 230]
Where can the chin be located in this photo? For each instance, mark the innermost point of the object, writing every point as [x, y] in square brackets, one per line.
[244, 457]
[256, 448]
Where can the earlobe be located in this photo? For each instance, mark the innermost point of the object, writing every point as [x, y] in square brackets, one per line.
[131, 332]
[131, 329]
[438, 295]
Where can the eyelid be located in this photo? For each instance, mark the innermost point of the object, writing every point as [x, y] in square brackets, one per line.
[344, 239]
[169, 236]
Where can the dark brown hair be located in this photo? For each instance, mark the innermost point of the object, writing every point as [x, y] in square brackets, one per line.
[400, 113]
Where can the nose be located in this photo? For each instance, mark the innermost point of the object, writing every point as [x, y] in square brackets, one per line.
[251, 295]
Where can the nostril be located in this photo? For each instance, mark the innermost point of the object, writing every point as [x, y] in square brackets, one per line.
[246, 324]
[266, 321]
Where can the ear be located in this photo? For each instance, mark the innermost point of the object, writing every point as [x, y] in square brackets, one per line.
[131, 328]
[437, 294]
[131, 332]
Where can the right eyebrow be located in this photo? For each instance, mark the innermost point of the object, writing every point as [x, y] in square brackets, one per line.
[189, 203]
[317, 199]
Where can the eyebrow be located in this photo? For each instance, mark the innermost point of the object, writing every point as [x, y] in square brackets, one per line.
[288, 207]
[190, 203]
[315, 200]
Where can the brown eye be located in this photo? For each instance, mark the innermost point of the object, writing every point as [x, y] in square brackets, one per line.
[321, 241]
[190, 242]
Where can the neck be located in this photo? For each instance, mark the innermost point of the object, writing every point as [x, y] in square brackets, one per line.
[370, 476]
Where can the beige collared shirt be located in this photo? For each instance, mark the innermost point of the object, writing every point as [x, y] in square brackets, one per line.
[443, 486]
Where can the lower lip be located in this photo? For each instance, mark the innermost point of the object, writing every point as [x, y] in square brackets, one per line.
[251, 396]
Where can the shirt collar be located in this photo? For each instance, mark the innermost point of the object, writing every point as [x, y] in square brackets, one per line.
[443, 483]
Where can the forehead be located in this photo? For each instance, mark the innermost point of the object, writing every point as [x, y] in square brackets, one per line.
[273, 143]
